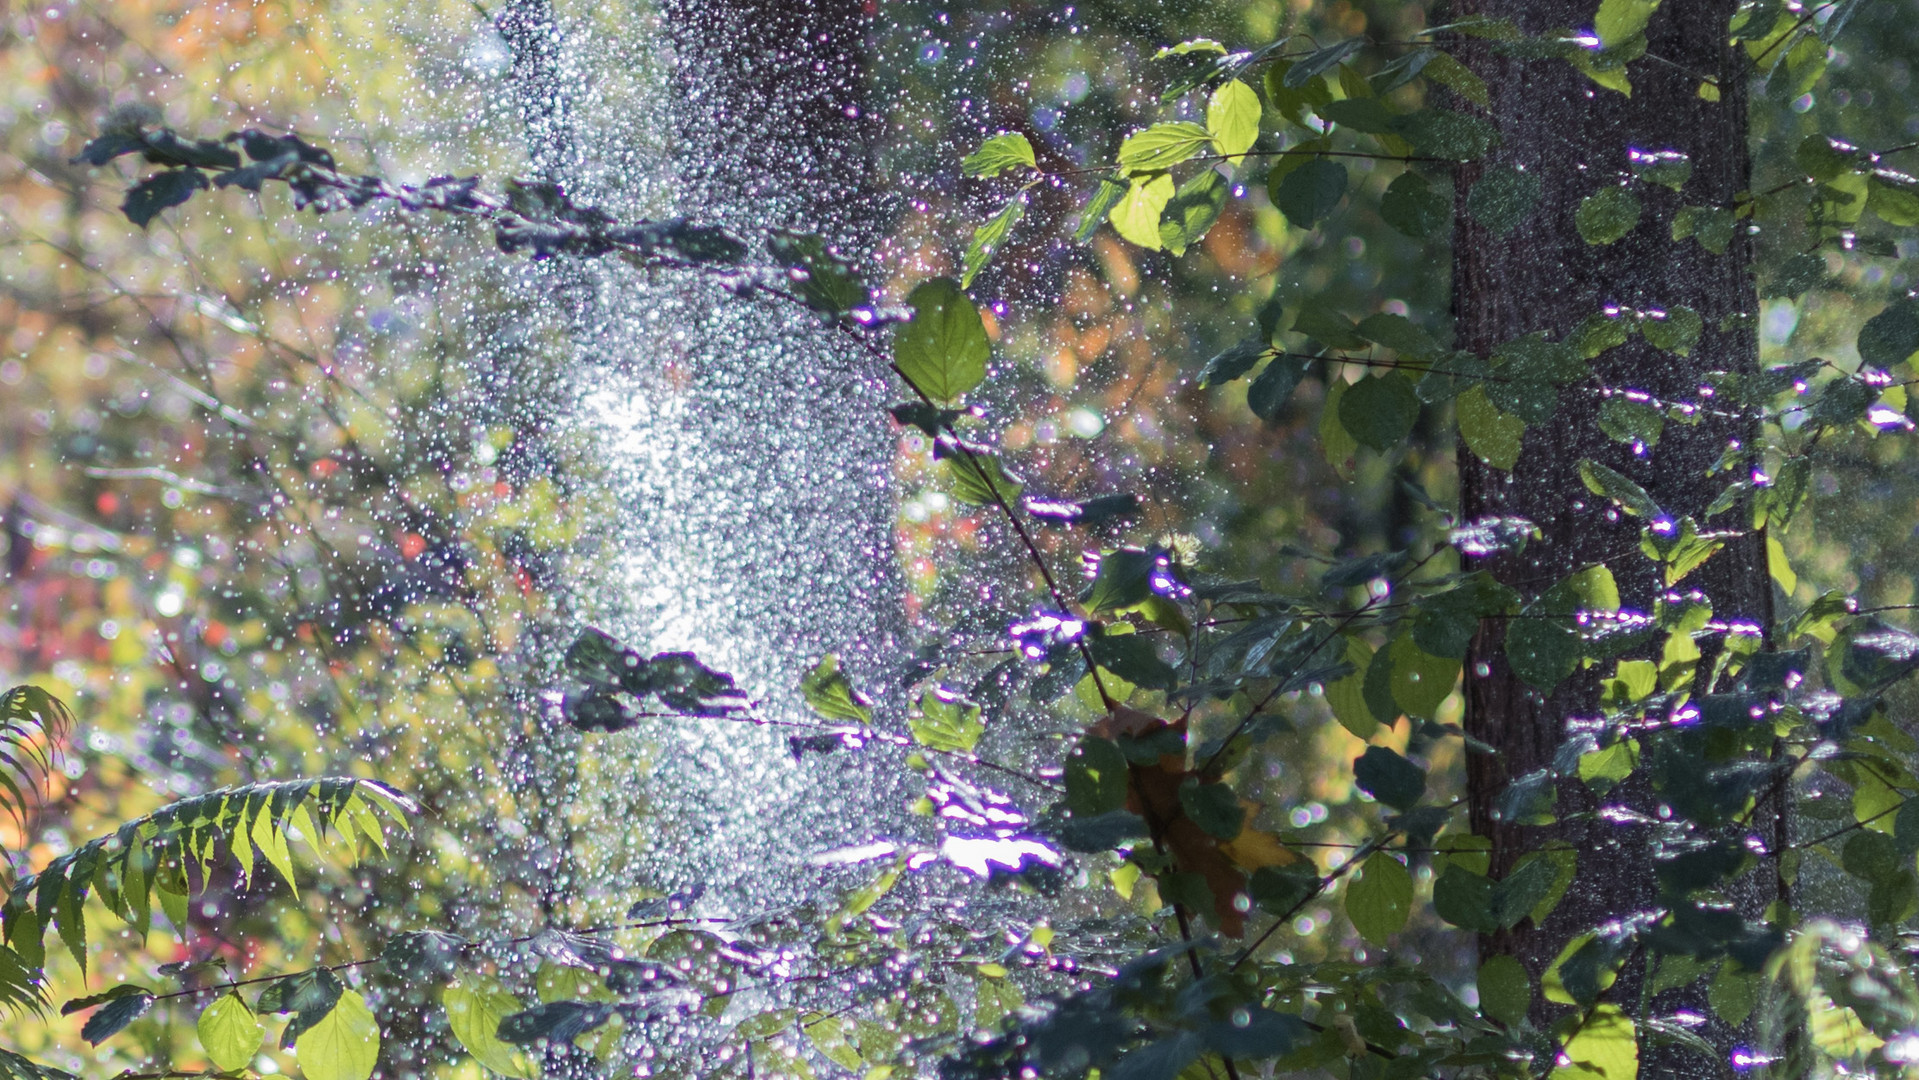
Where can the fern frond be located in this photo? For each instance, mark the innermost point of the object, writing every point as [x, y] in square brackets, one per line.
[171, 849]
[32, 724]
[15, 1067]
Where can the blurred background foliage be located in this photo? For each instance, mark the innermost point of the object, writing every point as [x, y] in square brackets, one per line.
[292, 496]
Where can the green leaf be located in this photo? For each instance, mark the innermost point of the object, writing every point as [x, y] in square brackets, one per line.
[1196, 45]
[1503, 197]
[1797, 274]
[1411, 206]
[115, 1009]
[474, 1010]
[1347, 695]
[1677, 332]
[947, 721]
[1390, 778]
[1380, 411]
[1214, 808]
[1733, 993]
[1505, 990]
[988, 237]
[1160, 147]
[831, 694]
[1442, 133]
[1367, 114]
[1234, 362]
[1606, 216]
[1421, 681]
[1232, 118]
[1328, 327]
[1320, 62]
[230, 1033]
[1380, 899]
[1619, 21]
[1335, 441]
[1492, 435]
[1095, 778]
[1136, 216]
[943, 351]
[1108, 196]
[1465, 899]
[981, 480]
[145, 200]
[1601, 480]
[1888, 338]
[1823, 158]
[1667, 168]
[1605, 1047]
[1399, 334]
[1193, 210]
[1894, 197]
[825, 279]
[1627, 421]
[1132, 657]
[1124, 578]
[1006, 150]
[344, 1045]
[1269, 392]
[1712, 226]
[1311, 191]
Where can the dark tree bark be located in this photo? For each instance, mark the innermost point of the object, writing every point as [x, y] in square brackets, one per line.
[1575, 136]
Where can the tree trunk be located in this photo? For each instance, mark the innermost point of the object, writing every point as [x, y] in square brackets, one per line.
[1575, 136]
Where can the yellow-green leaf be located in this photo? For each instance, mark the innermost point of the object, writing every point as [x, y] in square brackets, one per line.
[1347, 696]
[1161, 147]
[1492, 435]
[344, 1045]
[1137, 216]
[474, 1012]
[1380, 899]
[230, 1033]
[1604, 1048]
[1232, 118]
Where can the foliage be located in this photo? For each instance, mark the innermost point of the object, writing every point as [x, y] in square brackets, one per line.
[1175, 682]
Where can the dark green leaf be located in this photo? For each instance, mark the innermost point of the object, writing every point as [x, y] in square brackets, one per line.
[1380, 411]
[1465, 899]
[1257, 1034]
[1505, 990]
[1503, 198]
[1192, 211]
[557, 1022]
[1320, 62]
[123, 1005]
[1797, 274]
[1234, 362]
[146, 199]
[1328, 327]
[1411, 206]
[1133, 658]
[1269, 392]
[1083, 512]
[1213, 807]
[1095, 778]
[1311, 191]
[1528, 800]
[1399, 334]
[1369, 115]
[1888, 338]
[1667, 168]
[1601, 480]
[423, 954]
[1108, 195]
[1390, 778]
[1124, 578]
[822, 277]
[1442, 133]
[1628, 421]
[108, 146]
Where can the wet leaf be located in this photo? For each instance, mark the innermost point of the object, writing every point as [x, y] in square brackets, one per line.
[947, 722]
[1411, 206]
[1503, 197]
[1607, 216]
[988, 237]
[1888, 338]
[943, 351]
[145, 200]
[1380, 411]
[343, 1045]
[1269, 392]
[1233, 362]
[1505, 990]
[1390, 778]
[1160, 147]
[1493, 436]
[473, 1014]
[1192, 211]
[1380, 899]
[831, 694]
[1136, 215]
[1007, 150]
